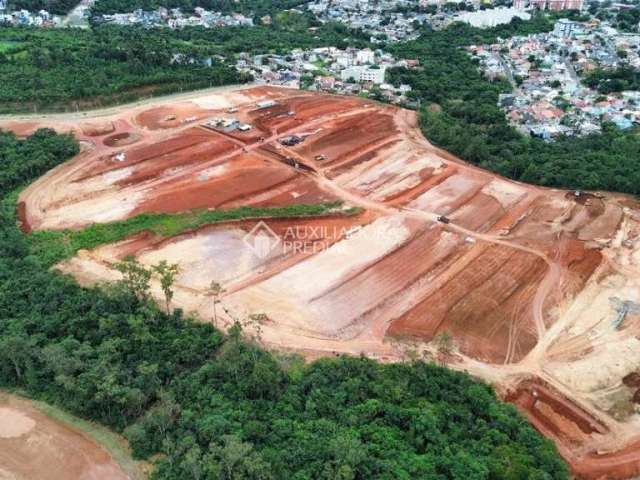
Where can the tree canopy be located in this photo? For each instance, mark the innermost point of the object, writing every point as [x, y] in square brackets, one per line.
[619, 79]
[72, 68]
[256, 7]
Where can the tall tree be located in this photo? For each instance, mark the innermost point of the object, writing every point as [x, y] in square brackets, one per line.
[215, 290]
[167, 273]
[136, 277]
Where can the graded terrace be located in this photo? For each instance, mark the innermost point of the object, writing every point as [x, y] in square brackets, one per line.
[339, 228]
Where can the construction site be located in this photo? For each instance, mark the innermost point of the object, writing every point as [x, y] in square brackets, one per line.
[537, 289]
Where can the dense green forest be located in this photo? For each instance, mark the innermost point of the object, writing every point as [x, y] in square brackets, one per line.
[219, 407]
[64, 69]
[622, 78]
[256, 7]
[288, 31]
[102, 7]
[459, 113]
[628, 20]
[71, 68]
[625, 19]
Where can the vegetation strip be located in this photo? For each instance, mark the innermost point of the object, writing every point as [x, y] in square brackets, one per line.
[53, 246]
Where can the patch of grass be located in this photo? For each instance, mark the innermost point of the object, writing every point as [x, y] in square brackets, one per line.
[6, 46]
[53, 246]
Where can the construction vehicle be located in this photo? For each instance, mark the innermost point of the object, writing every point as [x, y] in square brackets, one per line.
[622, 309]
[291, 140]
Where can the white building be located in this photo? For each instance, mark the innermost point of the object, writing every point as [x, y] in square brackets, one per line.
[364, 74]
[566, 28]
[492, 17]
[365, 56]
[344, 60]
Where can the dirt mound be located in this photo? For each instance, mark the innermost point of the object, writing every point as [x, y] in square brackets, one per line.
[98, 129]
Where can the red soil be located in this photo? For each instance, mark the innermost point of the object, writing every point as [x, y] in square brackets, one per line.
[345, 163]
[169, 117]
[429, 181]
[366, 290]
[301, 238]
[303, 107]
[323, 230]
[484, 285]
[572, 427]
[191, 138]
[98, 129]
[632, 380]
[120, 139]
[267, 91]
[581, 262]
[175, 161]
[605, 221]
[247, 175]
[22, 129]
[481, 305]
[300, 190]
[347, 136]
[22, 218]
[480, 213]
[531, 392]
[618, 465]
